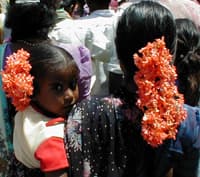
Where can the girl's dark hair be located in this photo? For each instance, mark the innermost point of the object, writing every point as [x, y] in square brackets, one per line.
[187, 60]
[139, 24]
[30, 20]
[45, 58]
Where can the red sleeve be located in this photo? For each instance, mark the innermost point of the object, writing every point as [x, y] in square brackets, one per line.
[52, 155]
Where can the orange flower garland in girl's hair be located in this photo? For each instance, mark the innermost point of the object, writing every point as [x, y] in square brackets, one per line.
[17, 81]
[158, 94]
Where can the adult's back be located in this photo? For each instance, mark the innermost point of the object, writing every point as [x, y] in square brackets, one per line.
[103, 135]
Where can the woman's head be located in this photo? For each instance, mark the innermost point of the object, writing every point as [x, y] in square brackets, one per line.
[188, 38]
[74, 7]
[55, 78]
[30, 20]
[187, 60]
[69, 5]
[97, 4]
[139, 24]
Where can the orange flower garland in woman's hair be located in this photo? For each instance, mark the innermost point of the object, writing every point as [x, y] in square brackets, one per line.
[158, 94]
[17, 81]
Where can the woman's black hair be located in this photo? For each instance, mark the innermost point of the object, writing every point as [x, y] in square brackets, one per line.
[97, 4]
[69, 6]
[30, 20]
[188, 38]
[187, 60]
[139, 24]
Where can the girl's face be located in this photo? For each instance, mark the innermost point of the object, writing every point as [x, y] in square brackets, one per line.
[58, 90]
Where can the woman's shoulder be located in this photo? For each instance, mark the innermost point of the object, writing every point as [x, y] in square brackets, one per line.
[110, 108]
[192, 109]
[99, 104]
[188, 135]
[191, 125]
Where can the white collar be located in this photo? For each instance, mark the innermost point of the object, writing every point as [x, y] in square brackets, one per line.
[103, 13]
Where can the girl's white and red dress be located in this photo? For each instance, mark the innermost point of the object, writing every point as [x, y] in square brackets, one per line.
[38, 140]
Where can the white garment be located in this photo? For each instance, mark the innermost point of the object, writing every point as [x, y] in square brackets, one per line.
[97, 33]
[29, 132]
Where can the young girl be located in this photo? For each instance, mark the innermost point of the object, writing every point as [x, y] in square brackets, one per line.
[43, 88]
[23, 26]
[26, 31]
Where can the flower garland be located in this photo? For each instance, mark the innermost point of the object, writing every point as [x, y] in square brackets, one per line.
[158, 94]
[16, 78]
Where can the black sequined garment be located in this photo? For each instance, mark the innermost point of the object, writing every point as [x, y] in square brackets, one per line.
[103, 139]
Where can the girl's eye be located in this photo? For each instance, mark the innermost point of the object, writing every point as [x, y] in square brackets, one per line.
[58, 87]
[73, 84]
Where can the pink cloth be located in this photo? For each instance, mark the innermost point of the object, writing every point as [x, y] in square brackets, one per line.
[182, 8]
[82, 57]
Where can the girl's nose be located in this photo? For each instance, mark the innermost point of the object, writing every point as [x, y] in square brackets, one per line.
[69, 96]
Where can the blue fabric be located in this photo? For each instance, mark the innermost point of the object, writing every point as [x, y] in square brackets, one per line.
[185, 148]
[5, 125]
[188, 135]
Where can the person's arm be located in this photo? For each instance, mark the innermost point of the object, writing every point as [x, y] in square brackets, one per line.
[58, 173]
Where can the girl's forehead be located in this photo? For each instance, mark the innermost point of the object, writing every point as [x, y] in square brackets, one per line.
[63, 67]
[63, 72]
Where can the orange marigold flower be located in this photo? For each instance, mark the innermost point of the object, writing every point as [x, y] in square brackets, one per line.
[16, 78]
[158, 94]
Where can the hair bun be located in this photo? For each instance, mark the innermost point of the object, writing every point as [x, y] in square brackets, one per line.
[191, 60]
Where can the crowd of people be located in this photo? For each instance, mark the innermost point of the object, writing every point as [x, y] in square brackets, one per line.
[100, 88]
